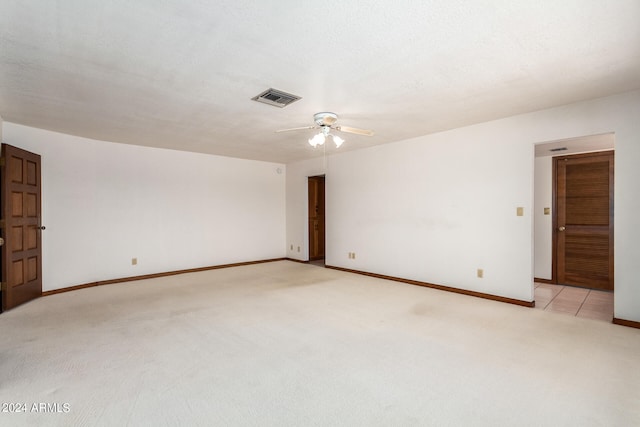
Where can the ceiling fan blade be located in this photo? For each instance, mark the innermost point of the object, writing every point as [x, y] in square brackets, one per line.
[289, 130]
[355, 130]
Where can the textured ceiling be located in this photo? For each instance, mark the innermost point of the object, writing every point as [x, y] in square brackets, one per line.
[180, 74]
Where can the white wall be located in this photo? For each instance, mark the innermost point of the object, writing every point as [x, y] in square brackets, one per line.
[104, 203]
[543, 224]
[438, 207]
[298, 206]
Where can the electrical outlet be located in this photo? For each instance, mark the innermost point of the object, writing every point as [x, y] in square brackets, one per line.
[480, 273]
[353, 255]
[291, 247]
[298, 248]
[134, 261]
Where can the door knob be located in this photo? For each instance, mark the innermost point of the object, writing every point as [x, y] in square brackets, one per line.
[561, 228]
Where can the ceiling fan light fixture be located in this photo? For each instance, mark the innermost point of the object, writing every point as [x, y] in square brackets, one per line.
[326, 122]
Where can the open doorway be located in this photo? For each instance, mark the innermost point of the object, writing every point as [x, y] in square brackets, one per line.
[316, 196]
[573, 226]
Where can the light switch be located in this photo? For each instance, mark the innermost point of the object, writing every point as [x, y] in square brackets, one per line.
[547, 211]
[520, 211]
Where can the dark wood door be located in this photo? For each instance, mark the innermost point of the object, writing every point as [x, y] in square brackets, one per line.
[316, 218]
[583, 226]
[20, 226]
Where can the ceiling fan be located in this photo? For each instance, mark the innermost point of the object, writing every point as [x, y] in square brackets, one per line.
[326, 122]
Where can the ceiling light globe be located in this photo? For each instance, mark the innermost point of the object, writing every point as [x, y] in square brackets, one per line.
[337, 140]
[317, 140]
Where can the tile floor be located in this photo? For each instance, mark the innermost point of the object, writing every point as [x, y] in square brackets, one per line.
[579, 302]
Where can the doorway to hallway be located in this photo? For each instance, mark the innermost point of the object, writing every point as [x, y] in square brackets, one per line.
[316, 195]
[575, 196]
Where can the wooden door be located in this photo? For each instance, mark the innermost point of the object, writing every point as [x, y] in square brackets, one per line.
[20, 226]
[316, 218]
[583, 226]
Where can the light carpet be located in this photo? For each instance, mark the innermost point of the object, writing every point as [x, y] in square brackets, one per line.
[288, 344]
